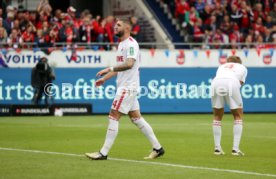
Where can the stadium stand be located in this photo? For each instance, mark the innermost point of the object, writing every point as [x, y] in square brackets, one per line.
[218, 21]
[228, 23]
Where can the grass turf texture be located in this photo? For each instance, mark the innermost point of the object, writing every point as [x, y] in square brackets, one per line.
[187, 139]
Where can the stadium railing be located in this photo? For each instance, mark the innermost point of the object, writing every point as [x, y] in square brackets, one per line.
[143, 45]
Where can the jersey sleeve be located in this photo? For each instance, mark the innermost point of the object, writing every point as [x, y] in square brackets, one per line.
[132, 51]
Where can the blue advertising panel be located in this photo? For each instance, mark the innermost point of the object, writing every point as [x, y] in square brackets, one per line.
[164, 90]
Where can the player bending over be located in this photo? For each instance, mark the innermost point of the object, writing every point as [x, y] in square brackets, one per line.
[125, 101]
[226, 88]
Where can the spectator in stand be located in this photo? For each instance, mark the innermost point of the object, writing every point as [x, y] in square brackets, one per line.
[109, 29]
[101, 31]
[206, 15]
[45, 28]
[272, 13]
[10, 9]
[68, 33]
[211, 3]
[39, 21]
[247, 17]
[33, 17]
[259, 41]
[181, 7]
[13, 39]
[7, 23]
[213, 23]
[219, 39]
[86, 30]
[84, 13]
[218, 12]
[53, 34]
[248, 42]
[16, 25]
[258, 12]
[235, 14]
[198, 32]
[135, 31]
[226, 26]
[41, 40]
[44, 9]
[258, 26]
[57, 18]
[96, 23]
[266, 36]
[190, 17]
[267, 5]
[268, 22]
[3, 36]
[200, 5]
[72, 13]
[28, 35]
[235, 37]
[208, 38]
[20, 15]
[24, 21]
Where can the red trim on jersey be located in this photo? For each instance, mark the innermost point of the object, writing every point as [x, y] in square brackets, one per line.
[131, 39]
[121, 100]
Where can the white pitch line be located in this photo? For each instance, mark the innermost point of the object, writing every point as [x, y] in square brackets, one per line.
[147, 162]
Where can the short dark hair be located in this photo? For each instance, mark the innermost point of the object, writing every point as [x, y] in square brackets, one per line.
[234, 59]
[125, 20]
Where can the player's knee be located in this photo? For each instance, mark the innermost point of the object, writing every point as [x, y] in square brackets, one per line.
[238, 117]
[114, 115]
[137, 120]
[237, 114]
[134, 120]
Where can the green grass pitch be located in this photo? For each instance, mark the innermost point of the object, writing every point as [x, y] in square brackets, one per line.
[187, 139]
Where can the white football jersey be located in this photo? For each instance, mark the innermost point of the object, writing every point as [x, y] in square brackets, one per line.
[233, 71]
[129, 48]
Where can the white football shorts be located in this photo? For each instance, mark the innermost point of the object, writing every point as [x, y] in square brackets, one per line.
[125, 101]
[226, 90]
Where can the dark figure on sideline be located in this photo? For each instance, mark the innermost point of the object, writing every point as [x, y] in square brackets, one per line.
[42, 76]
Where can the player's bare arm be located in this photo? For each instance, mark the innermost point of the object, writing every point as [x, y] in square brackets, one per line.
[125, 66]
[102, 80]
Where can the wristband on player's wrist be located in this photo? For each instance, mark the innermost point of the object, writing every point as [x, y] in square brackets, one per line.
[111, 68]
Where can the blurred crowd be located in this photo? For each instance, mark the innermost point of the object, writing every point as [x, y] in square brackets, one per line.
[45, 28]
[226, 22]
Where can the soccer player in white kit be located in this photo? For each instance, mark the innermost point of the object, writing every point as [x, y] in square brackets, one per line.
[225, 88]
[125, 101]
